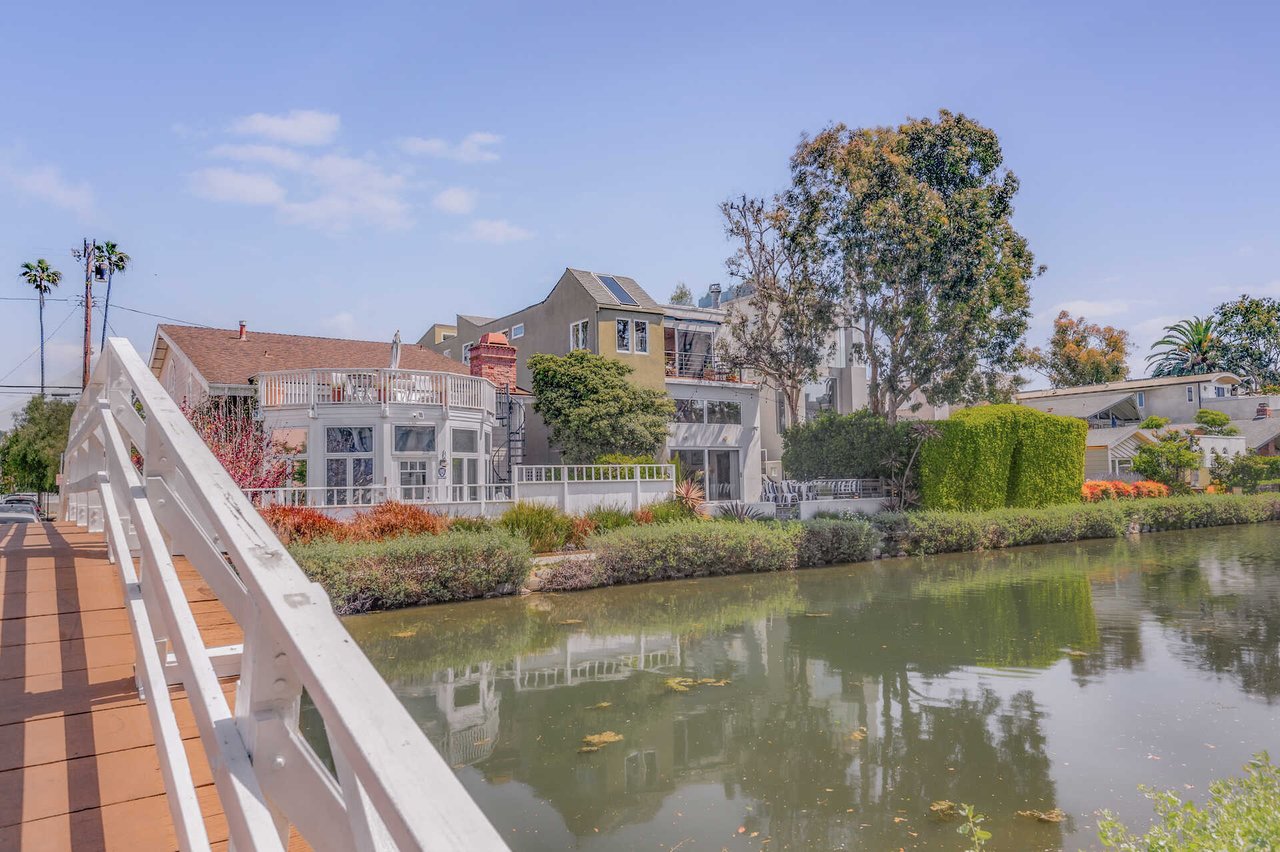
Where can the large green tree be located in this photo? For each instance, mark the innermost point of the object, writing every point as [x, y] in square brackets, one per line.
[915, 222]
[1082, 353]
[113, 260]
[30, 454]
[783, 329]
[1189, 347]
[593, 409]
[1249, 339]
[43, 278]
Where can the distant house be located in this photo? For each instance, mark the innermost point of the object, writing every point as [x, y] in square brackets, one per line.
[430, 429]
[1132, 401]
[1109, 451]
[671, 348]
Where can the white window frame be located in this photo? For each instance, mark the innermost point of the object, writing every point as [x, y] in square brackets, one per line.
[350, 491]
[1142, 399]
[635, 337]
[466, 352]
[517, 331]
[1219, 392]
[582, 331]
[618, 325]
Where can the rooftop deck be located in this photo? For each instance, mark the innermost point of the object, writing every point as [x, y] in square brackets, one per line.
[78, 763]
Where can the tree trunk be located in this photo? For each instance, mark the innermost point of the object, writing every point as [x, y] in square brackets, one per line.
[792, 395]
[106, 307]
[42, 345]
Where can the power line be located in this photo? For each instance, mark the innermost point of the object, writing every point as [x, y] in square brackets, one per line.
[29, 299]
[36, 351]
[163, 317]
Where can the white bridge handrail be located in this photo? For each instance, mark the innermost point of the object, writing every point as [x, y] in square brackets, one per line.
[392, 789]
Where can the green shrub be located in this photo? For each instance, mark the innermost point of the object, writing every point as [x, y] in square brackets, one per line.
[470, 523]
[1242, 813]
[623, 458]
[1154, 421]
[826, 541]
[994, 456]
[360, 576]
[546, 528]
[670, 511]
[608, 518]
[1209, 510]
[844, 446]
[693, 549]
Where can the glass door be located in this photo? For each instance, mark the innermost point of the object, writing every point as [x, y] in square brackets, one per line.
[722, 475]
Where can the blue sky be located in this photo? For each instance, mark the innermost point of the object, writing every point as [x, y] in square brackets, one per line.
[354, 169]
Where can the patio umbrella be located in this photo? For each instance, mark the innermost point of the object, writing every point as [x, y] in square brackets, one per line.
[395, 351]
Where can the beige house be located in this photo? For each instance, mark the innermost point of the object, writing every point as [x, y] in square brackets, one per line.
[1130, 402]
[716, 431]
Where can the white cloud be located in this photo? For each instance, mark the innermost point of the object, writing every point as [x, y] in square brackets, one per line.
[495, 231]
[272, 155]
[237, 187]
[46, 183]
[296, 127]
[1093, 310]
[473, 148]
[455, 199]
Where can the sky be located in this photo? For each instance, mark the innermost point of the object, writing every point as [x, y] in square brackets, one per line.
[358, 169]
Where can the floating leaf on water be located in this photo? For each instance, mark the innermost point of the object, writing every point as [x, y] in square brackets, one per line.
[944, 808]
[858, 735]
[601, 706]
[405, 634]
[679, 684]
[587, 749]
[572, 621]
[1073, 653]
[1055, 815]
[718, 683]
[602, 739]
[706, 680]
[816, 614]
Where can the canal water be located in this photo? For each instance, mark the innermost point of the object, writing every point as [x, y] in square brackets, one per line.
[827, 709]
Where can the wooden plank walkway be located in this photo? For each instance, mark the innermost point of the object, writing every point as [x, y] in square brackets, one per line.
[78, 765]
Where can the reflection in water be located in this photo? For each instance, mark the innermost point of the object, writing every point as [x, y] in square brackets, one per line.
[1039, 678]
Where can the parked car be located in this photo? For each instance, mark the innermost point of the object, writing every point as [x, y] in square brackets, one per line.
[18, 513]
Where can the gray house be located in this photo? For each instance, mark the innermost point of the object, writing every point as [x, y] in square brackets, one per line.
[1130, 402]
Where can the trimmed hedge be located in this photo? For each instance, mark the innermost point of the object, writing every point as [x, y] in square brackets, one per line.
[693, 549]
[844, 446]
[995, 456]
[830, 541]
[409, 570]
[949, 532]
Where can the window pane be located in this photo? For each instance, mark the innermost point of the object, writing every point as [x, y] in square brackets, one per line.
[465, 440]
[349, 439]
[642, 336]
[624, 335]
[517, 330]
[692, 463]
[362, 471]
[689, 410]
[335, 472]
[722, 475]
[415, 439]
[724, 412]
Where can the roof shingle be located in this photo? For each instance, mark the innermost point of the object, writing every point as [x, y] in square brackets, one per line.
[223, 359]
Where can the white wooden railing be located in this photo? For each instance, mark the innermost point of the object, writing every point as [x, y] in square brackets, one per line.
[591, 472]
[363, 496]
[392, 790]
[373, 387]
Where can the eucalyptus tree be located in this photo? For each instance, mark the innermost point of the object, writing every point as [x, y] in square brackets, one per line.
[1189, 347]
[113, 260]
[43, 277]
[915, 222]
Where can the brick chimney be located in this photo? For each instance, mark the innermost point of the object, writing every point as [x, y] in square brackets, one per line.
[1263, 410]
[493, 358]
[244, 334]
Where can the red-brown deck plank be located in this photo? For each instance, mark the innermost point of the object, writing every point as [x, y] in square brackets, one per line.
[78, 764]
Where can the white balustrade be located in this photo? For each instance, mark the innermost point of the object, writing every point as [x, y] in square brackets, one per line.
[373, 387]
[392, 789]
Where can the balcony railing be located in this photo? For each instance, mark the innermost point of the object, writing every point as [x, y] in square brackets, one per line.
[373, 387]
[700, 365]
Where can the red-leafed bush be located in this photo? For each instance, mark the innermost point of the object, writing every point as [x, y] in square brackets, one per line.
[643, 516]
[239, 443]
[1097, 490]
[582, 528]
[392, 519]
[300, 524]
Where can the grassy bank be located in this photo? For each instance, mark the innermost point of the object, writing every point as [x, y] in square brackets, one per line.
[471, 561]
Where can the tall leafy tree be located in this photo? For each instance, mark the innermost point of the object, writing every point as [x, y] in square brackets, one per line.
[41, 276]
[1190, 347]
[31, 453]
[784, 330]
[1082, 353]
[592, 408]
[915, 222]
[681, 295]
[111, 258]
[1249, 331]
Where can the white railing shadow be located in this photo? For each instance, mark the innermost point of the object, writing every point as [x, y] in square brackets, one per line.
[136, 470]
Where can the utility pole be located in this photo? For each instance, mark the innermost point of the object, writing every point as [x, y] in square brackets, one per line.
[87, 253]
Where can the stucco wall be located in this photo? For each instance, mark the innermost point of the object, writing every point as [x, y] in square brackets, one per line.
[707, 436]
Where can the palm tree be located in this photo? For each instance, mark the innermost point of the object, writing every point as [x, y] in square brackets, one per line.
[109, 256]
[1188, 348]
[43, 278]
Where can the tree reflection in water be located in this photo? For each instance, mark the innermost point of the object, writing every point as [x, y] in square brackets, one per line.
[857, 695]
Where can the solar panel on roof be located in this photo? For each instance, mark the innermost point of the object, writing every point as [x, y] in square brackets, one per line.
[623, 297]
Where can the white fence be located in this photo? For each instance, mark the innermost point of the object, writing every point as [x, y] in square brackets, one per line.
[392, 790]
[373, 387]
[572, 488]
